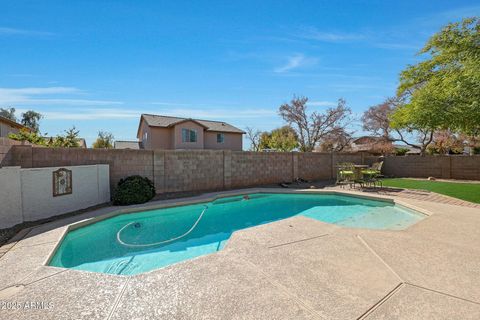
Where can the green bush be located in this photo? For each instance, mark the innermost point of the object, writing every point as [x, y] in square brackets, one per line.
[133, 190]
[401, 151]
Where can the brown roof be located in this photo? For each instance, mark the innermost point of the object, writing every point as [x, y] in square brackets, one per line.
[368, 140]
[166, 121]
[13, 123]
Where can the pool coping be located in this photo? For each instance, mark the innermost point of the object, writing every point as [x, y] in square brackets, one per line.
[209, 197]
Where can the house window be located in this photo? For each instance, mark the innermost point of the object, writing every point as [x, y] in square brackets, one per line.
[145, 136]
[189, 135]
[220, 137]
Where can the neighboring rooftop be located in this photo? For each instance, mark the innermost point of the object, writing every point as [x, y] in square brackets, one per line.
[167, 121]
[135, 145]
[13, 123]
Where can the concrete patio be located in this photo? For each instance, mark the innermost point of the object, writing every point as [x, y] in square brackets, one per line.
[297, 268]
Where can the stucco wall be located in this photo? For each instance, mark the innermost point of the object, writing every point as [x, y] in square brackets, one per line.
[161, 138]
[177, 132]
[5, 129]
[146, 142]
[27, 194]
[10, 197]
[232, 141]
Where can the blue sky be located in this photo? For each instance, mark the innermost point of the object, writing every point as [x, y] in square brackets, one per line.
[99, 64]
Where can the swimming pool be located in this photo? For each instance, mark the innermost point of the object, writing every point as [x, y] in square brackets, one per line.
[130, 244]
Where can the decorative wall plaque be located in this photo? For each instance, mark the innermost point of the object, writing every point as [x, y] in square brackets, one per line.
[62, 182]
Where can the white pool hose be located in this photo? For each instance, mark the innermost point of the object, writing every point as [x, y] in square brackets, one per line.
[160, 242]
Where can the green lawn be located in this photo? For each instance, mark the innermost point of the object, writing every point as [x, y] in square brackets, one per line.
[465, 191]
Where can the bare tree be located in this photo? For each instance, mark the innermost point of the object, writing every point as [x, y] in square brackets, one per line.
[312, 127]
[253, 135]
[377, 121]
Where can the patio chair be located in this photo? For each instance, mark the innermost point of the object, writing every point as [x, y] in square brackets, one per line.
[372, 174]
[345, 174]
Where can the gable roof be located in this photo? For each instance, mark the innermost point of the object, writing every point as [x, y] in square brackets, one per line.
[153, 120]
[13, 123]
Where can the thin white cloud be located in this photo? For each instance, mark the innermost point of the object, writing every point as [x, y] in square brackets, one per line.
[312, 33]
[295, 62]
[47, 96]
[5, 31]
[117, 113]
[91, 114]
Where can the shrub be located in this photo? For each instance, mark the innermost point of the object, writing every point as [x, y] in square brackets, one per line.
[401, 151]
[133, 190]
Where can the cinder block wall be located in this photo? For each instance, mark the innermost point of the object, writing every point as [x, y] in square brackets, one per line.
[6, 153]
[315, 166]
[444, 167]
[257, 168]
[192, 170]
[189, 170]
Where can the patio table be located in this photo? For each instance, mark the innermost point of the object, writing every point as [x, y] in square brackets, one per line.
[358, 170]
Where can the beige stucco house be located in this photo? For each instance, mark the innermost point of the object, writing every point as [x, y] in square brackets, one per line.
[8, 126]
[163, 132]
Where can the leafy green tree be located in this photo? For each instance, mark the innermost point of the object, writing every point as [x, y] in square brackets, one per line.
[28, 136]
[283, 139]
[31, 119]
[264, 141]
[443, 91]
[69, 140]
[280, 139]
[104, 140]
[8, 113]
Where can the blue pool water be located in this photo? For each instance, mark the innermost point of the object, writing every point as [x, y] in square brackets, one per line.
[134, 243]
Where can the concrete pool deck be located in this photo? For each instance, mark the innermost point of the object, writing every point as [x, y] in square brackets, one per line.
[297, 268]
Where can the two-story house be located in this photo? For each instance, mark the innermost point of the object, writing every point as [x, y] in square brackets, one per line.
[163, 132]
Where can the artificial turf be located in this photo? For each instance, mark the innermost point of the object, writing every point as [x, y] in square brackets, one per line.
[465, 191]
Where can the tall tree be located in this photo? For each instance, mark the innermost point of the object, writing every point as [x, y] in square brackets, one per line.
[8, 113]
[31, 119]
[104, 140]
[311, 127]
[443, 90]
